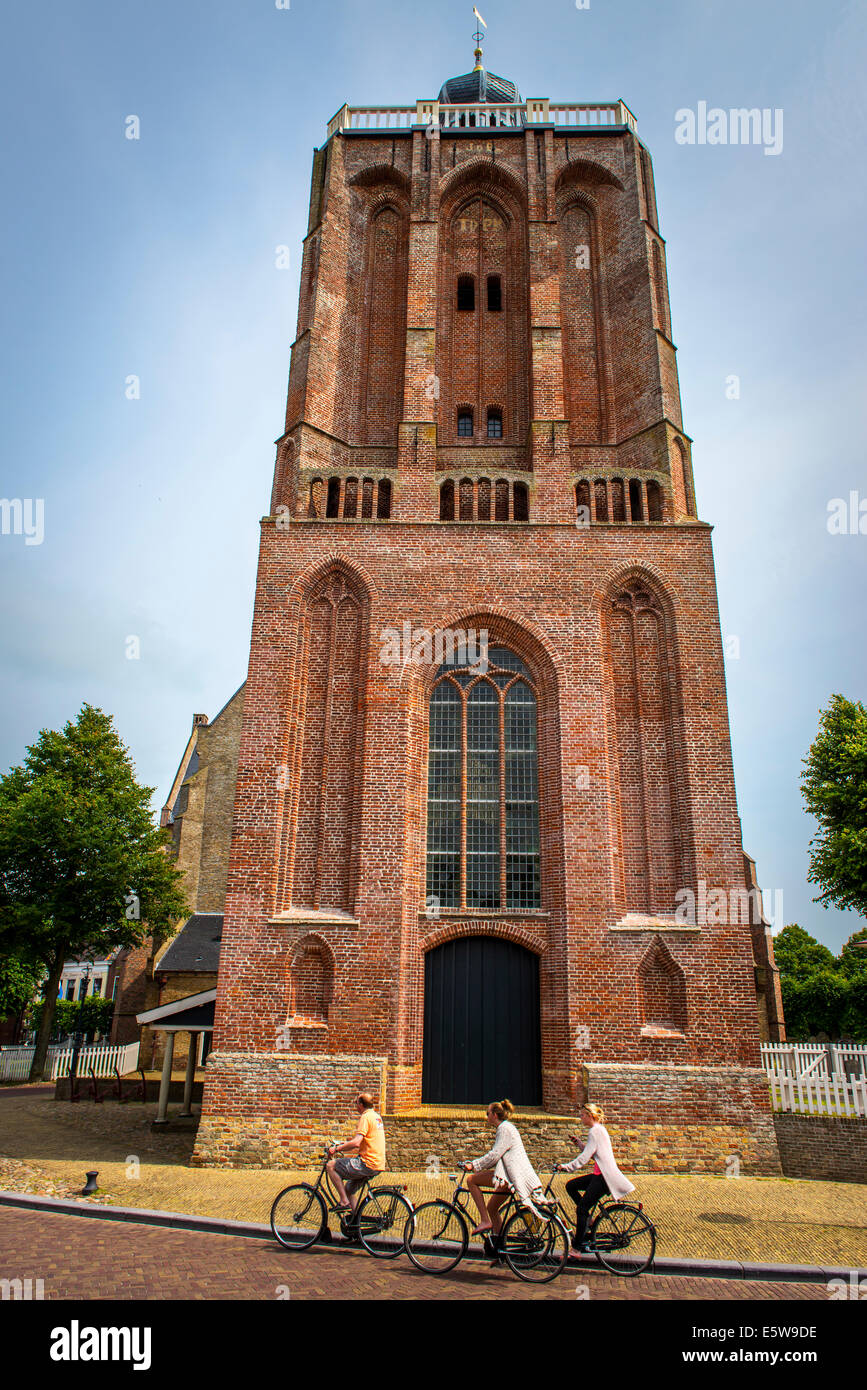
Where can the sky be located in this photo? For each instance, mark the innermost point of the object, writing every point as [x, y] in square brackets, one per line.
[148, 327]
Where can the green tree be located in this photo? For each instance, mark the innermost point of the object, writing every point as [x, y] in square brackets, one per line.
[834, 787]
[95, 1015]
[798, 954]
[815, 1004]
[853, 957]
[83, 869]
[854, 1015]
[20, 977]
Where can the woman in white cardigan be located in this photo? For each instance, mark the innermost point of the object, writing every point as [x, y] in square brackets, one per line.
[606, 1176]
[505, 1165]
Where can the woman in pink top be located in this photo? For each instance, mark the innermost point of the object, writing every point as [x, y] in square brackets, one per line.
[606, 1176]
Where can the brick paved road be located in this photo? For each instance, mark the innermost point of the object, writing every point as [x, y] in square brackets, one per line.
[85, 1259]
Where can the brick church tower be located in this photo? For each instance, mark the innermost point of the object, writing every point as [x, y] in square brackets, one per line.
[485, 757]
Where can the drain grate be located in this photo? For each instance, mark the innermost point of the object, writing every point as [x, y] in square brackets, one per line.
[725, 1218]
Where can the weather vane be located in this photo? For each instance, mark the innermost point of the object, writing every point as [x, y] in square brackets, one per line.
[478, 36]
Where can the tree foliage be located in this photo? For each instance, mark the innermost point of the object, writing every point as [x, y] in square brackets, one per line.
[834, 788]
[822, 993]
[20, 977]
[83, 868]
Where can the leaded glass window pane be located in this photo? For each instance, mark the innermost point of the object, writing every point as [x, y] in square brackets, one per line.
[444, 796]
[522, 798]
[483, 796]
[493, 732]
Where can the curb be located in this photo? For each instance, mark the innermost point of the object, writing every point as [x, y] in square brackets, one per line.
[222, 1226]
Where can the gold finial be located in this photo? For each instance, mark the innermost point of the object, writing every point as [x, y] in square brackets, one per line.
[478, 36]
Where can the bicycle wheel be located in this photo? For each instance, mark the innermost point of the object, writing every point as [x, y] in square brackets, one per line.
[624, 1240]
[436, 1237]
[535, 1249]
[297, 1216]
[382, 1219]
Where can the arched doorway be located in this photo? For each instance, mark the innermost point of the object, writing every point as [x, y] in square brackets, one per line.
[481, 1023]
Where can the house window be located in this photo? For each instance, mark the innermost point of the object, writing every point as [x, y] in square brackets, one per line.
[332, 506]
[495, 424]
[466, 293]
[483, 804]
[521, 505]
[465, 424]
[70, 989]
[97, 986]
[495, 294]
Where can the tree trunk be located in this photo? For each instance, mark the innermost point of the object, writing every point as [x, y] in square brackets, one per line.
[38, 1064]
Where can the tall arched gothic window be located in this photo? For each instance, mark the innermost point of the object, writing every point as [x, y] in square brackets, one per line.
[483, 800]
[483, 328]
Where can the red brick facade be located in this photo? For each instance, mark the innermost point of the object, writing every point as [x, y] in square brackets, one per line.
[606, 592]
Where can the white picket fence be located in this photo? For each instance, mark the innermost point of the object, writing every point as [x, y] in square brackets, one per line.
[15, 1062]
[817, 1078]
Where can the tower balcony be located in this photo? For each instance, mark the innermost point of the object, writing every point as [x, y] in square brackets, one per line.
[537, 111]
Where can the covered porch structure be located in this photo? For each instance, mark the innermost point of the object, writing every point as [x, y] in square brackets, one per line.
[193, 1015]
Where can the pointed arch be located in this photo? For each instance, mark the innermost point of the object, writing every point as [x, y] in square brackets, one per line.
[321, 779]
[483, 335]
[648, 800]
[661, 986]
[311, 980]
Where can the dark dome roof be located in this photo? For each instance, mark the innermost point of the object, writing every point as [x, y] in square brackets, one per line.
[479, 86]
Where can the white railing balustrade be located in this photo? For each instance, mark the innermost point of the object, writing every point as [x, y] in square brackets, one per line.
[484, 115]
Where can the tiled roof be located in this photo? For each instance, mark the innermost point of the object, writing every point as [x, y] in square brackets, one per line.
[196, 946]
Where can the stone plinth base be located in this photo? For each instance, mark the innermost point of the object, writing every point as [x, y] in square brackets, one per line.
[263, 1110]
[278, 1110]
[688, 1118]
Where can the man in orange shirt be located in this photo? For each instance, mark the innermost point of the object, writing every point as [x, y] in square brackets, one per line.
[367, 1147]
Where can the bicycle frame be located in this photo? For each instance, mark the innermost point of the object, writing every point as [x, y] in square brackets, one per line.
[325, 1187]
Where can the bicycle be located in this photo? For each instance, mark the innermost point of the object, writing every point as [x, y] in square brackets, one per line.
[616, 1228]
[299, 1216]
[535, 1248]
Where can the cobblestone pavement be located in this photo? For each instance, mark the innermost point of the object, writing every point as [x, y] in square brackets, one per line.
[79, 1259]
[45, 1147]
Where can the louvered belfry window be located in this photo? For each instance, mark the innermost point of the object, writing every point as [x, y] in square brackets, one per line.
[483, 800]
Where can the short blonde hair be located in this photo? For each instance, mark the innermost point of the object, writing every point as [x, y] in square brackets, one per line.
[596, 1111]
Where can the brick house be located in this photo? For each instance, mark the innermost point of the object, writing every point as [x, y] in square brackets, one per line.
[484, 762]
